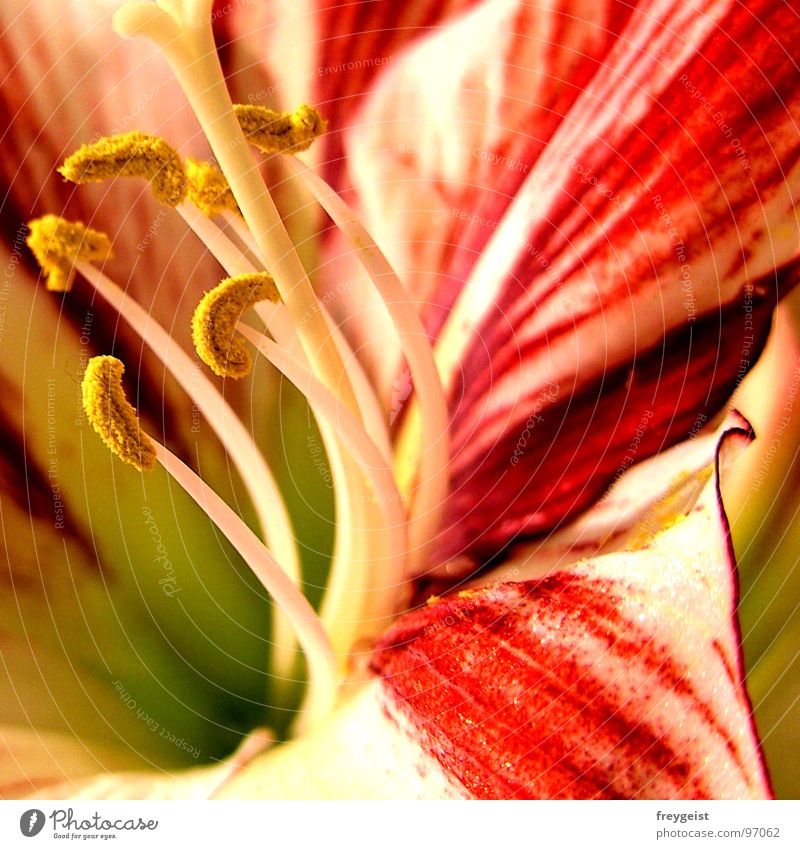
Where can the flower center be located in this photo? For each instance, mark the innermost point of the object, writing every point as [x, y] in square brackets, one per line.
[384, 532]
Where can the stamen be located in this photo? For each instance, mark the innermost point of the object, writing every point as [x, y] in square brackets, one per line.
[112, 416]
[230, 257]
[116, 422]
[214, 322]
[58, 244]
[279, 324]
[258, 479]
[370, 409]
[130, 155]
[292, 603]
[280, 132]
[208, 189]
[350, 430]
[227, 253]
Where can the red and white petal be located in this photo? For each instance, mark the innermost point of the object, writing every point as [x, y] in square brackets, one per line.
[677, 193]
[539, 472]
[448, 136]
[619, 678]
[357, 41]
[642, 238]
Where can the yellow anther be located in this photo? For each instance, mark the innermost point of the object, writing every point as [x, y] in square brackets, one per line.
[214, 322]
[208, 189]
[57, 244]
[280, 132]
[130, 155]
[112, 416]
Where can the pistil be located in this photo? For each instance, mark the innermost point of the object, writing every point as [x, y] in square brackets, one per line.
[183, 33]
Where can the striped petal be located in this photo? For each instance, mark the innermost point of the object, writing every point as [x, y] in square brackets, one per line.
[619, 678]
[607, 253]
[358, 41]
[327, 51]
[573, 443]
[641, 500]
[446, 141]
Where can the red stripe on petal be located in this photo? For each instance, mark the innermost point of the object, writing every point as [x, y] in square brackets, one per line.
[522, 465]
[641, 214]
[455, 125]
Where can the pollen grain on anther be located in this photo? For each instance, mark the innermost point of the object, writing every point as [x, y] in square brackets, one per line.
[131, 154]
[280, 132]
[111, 414]
[214, 322]
[58, 244]
[208, 189]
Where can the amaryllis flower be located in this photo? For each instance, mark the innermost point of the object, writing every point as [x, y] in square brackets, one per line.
[516, 257]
